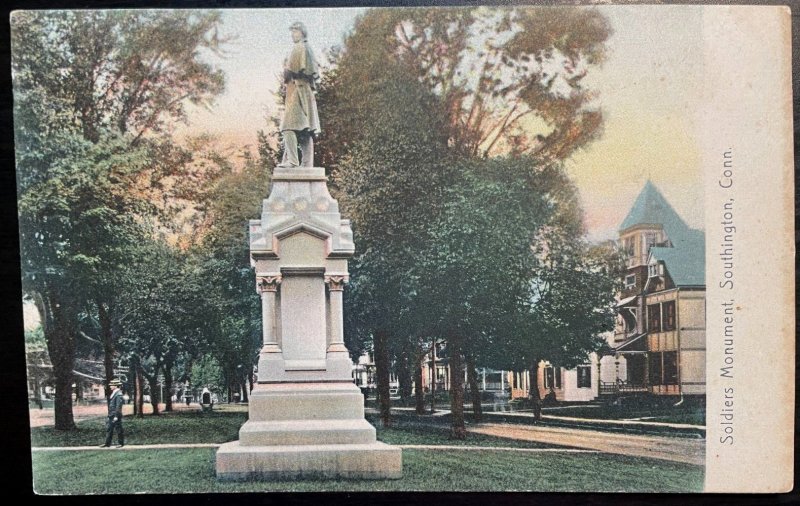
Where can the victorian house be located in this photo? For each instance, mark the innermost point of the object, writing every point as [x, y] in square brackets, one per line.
[659, 342]
[658, 345]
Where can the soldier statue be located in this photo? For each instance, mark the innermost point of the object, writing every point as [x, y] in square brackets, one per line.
[300, 122]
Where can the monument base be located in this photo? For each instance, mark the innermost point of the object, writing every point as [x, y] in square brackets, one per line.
[307, 430]
[356, 461]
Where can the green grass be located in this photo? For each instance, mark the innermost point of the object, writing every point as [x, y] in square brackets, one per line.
[223, 426]
[192, 471]
[179, 427]
[688, 413]
[408, 430]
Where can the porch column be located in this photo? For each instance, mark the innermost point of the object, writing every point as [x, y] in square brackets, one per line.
[336, 290]
[267, 286]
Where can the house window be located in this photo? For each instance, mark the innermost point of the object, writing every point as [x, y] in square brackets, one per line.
[654, 368]
[628, 246]
[557, 373]
[669, 315]
[650, 240]
[655, 270]
[630, 281]
[584, 376]
[654, 318]
[663, 367]
[670, 368]
[548, 378]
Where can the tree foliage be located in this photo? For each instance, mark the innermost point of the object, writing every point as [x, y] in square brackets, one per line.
[96, 94]
[228, 277]
[446, 130]
[509, 80]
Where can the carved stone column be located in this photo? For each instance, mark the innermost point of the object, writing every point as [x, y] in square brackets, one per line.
[336, 292]
[267, 286]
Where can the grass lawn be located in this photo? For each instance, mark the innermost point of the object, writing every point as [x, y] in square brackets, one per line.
[408, 430]
[222, 426]
[689, 413]
[180, 427]
[192, 471]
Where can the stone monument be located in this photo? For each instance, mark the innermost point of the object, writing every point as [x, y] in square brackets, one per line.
[306, 416]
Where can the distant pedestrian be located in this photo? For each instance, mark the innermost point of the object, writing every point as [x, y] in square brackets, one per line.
[114, 421]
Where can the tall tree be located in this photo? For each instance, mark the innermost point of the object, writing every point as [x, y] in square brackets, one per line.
[479, 261]
[165, 313]
[390, 183]
[229, 287]
[510, 79]
[493, 82]
[95, 95]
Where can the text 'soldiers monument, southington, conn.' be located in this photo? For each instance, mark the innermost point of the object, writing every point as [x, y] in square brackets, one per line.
[306, 416]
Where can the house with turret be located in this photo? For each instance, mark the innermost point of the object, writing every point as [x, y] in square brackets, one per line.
[659, 343]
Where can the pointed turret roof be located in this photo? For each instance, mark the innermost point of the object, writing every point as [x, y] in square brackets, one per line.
[651, 208]
[685, 260]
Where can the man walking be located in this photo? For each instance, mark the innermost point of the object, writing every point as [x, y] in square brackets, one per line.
[114, 421]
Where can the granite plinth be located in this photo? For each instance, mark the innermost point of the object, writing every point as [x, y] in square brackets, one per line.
[362, 461]
[307, 430]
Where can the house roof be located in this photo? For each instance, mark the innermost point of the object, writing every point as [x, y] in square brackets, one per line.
[651, 208]
[633, 344]
[686, 264]
[685, 260]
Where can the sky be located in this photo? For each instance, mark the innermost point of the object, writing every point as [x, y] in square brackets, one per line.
[648, 88]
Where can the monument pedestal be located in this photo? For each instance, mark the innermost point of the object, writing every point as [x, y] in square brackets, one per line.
[306, 414]
[307, 430]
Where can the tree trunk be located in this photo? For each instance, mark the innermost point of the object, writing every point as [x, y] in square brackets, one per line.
[474, 389]
[533, 393]
[382, 365]
[62, 403]
[168, 387]
[245, 397]
[60, 339]
[433, 376]
[139, 396]
[404, 378]
[107, 338]
[457, 428]
[419, 392]
[37, 394]
[152, 381]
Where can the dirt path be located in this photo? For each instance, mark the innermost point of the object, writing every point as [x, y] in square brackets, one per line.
[689, 451]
